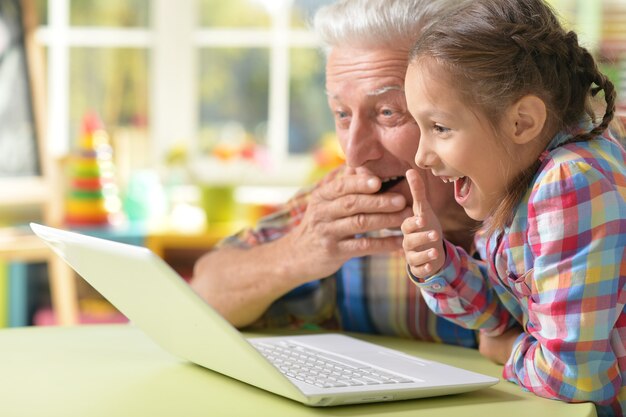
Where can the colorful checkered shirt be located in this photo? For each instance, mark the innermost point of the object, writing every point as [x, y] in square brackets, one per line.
[369, 295]
[559, 270]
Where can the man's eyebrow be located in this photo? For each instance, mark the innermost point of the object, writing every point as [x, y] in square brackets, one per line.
[378, 92]
[382, 90]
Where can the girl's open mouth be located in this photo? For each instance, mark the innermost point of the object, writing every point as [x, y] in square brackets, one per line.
[462, 186]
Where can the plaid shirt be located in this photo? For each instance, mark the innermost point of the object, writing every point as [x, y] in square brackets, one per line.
[369, 295]
[559, 270]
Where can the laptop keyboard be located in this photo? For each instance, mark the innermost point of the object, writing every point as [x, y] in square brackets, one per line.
[323, 369]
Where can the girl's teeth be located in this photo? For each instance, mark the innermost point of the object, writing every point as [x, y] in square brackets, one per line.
[451, 179]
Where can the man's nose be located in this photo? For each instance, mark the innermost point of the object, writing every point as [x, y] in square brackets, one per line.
[363, 143]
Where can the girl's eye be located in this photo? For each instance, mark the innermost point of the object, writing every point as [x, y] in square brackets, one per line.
[440, 129]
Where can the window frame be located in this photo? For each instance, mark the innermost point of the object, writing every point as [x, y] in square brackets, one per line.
[174, 41]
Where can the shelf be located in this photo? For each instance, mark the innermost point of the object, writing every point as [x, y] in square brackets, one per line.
[24, 191]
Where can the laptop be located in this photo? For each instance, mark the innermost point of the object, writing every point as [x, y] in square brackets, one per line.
[317, 369]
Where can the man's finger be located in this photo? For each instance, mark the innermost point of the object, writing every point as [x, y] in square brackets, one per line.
[349, 184]
[418, 192]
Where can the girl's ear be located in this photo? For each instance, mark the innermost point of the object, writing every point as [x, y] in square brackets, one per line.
[526, 119]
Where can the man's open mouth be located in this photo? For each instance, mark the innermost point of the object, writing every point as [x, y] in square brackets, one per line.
[389, 183]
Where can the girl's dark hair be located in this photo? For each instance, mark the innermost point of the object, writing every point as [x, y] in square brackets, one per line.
[499, 51]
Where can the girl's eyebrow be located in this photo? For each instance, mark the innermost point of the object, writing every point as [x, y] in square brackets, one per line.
[436, 114]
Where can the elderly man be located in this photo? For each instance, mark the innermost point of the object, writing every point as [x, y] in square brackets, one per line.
[330, 258]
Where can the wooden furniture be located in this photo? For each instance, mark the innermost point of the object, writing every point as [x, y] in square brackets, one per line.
[19, 246]
[178, 249]
[37, 193]
[181, 250]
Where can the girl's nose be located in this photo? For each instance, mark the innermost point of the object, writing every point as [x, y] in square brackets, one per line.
[424, 158]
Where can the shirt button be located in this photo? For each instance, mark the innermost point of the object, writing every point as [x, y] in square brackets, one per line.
[436, 286]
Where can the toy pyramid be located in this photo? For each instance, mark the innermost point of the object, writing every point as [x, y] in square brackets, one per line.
[93, 198]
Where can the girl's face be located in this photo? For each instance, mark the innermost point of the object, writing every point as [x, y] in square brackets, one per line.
[458, 144]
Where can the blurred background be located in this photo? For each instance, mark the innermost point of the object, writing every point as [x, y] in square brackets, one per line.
[204, 91]
[196, 117]
[213, 92]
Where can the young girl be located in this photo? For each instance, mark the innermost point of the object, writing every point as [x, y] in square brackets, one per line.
[503, 97]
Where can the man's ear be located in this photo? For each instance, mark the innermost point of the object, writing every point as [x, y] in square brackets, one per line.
[526, 119]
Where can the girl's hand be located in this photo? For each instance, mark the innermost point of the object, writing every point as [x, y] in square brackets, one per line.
[498, 348]
[422, 244]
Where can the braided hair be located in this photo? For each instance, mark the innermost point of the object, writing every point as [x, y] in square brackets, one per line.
[499, 51]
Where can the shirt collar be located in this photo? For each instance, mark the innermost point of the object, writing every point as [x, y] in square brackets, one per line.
[564, 136]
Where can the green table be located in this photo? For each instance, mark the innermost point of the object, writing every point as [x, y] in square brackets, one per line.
[116, 371]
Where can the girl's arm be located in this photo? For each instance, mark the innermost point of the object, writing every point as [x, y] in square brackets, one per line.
[454, 284]
[498, 348]
[461, 292]
[577, 234]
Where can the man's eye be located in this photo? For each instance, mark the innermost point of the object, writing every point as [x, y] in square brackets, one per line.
[342, 119]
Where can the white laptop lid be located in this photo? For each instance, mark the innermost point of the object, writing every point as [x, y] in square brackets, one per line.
[158, 301]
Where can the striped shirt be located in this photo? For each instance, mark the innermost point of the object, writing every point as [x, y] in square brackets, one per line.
[558, 269]
[368, 295]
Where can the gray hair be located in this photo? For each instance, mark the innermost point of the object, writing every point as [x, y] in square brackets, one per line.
[377, 23]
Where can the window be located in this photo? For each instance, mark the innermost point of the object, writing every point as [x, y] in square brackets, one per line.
[202, 76]
[97, 57]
